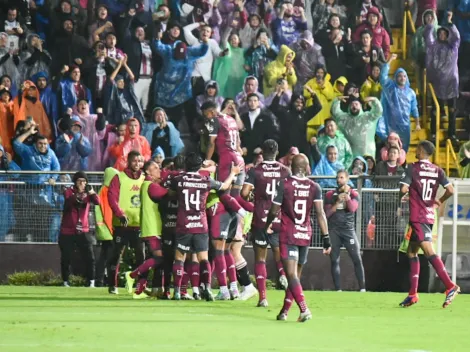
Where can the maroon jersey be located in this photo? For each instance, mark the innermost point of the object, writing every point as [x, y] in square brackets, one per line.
[225, 129]
[296, 197]
[423, 179]
[264, 178]
[168, 206]
[192, 190]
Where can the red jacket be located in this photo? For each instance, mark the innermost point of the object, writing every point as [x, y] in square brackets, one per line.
[76, 211]
[380, 37]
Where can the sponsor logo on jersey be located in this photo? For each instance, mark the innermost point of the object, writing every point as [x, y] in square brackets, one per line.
[194, 218]
[300, 185]
[301, 236]
[193, 225]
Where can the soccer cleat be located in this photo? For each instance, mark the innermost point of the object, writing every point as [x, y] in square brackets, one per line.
[283, 282]
[450, 295]
[66, 284]
[248, 292]
[142, 295]
[263, 303]
[208, 295]
[186, 297]
[92, 284]
[166, 295]
[129, 282]
[113, 290]
[223, 296]
[362, 290]
[196, 296]
[176, 296]
[304, 316]
[281, 316]
[409, 301]
[234, 294]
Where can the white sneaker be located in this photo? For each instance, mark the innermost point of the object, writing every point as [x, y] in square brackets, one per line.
[92, 284]
[248, 292]
[283, 282]
[303, 317]
[362, 290]
[66, 284]
[263, 303]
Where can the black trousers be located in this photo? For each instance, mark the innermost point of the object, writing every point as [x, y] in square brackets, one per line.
[84, 243]
[103, 260]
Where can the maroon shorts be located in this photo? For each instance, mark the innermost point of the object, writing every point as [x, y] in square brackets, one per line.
[420, 232]
[152, 243]
[225, 167]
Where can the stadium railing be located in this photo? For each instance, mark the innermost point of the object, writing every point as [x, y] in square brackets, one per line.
[31, 209]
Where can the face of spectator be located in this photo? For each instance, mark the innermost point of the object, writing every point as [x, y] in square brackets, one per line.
[332, 155]
[401, 79]
[358, 167]
[342, 179]
[250, 86]
[12, 15]
[41, 145]
[32, 92]
[134, 163]
[68, 26]
[355, 107]
[443, 36]
[5, 98]
[76, 129]
[82, 107]
[320, 74]
[335, 22]
[253, 103]
[153, 171]
[160, 117]
[102, 13]
[6, 82]
[234, 41]
[80, 184]
[366, 39]
[211, 91]
[175, 32]
[370, 164]
[393, 141]
[75, 74]
[289, 10]
[336, 35]
[330, 129]
[289, 57]
[254, 22]
[429, 18]
[133, 126]
[122, 130]
[120, 84]
[210, 113]
[206, 33]
[393, 155]
[373, 19]
[111, 41]
[141, 162]
[230, 107]
[375, 72]
[340, 87]
[299, 104]
[3, 40]
[65, 7]
[140, 34]
[167, 11]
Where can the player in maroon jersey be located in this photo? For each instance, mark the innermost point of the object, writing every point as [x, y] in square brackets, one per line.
[421, 182]
[225, 139]
[192, 190]
[264, 179]
[296, 196]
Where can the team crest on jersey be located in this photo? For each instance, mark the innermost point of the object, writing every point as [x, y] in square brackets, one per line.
[135, 201]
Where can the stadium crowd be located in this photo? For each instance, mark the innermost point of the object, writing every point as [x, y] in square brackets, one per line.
[86, 84]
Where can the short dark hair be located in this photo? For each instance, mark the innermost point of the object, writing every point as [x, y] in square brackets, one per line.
[147, 165]
[428, 147]
[393, 147]
[132, 154]
[193, 162]
[251, 95]
[166, 162]
[343, 171]
[270, 148]
[39, 137]
[207, 105]
[366, 31]
[226, 102]
[329, 119]
[329, 147]
[179, 162]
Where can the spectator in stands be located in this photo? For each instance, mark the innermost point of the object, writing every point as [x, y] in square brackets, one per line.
[75, 229]
[462, 14]
[393, 140]
[9, 61]
[249, 33]
[259, 55]
[113, 134]
[164, 134]
[308, 55]
[251, 86]
[173, 88]
[6, 120]
[320, 86]
[66, 11]
[423, 7]
[48, 99]
[286, 160]
[29, 104]
[322, 10]
[359, 167]
[338, 52]
[7, 220]
[358, 14]
[339, 86]
[333, 136]
[73, 148]
[236, 18]
[334, 22]
[365, 55]
[114, 53]
[282, 91]
[131, 142]
[72, 90]
[464, 156]
[293, 121]
[260, 124]
[211, 93]
[357, 125]
[101, 27]
[264, 9]
[399, 102]
[380, 37]
[286, 30]
[15, 27]
[35, 59]
[442, 70]
[121, 102]
[389, 167]
[326, 164]
[372, 87]
[229, 70]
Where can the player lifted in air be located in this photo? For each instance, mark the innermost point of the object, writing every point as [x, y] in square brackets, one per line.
[191, 225]
[421, 181]
[296, 196]
[264, 179]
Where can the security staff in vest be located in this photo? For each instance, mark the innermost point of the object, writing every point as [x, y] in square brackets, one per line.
[125, 203]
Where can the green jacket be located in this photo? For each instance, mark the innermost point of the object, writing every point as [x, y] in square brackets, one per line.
[418, 45]
[345, 155]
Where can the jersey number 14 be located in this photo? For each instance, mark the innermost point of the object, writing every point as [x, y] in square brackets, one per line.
[192, 199]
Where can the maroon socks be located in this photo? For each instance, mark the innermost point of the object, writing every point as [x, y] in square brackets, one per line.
[414, 275]
[260, 274]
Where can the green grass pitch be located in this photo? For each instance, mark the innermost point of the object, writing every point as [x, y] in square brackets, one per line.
[80, 319]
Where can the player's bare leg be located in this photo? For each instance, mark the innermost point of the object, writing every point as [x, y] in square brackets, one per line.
[242, 272]
[280, 268]
[178, 271]
[220, 268]
[206, 274]
[261, 274]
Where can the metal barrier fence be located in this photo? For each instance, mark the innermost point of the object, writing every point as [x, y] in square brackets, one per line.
[31, 209]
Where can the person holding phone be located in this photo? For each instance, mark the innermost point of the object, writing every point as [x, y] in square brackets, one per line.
[75, 230]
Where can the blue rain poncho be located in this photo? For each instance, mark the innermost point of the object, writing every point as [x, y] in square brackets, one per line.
[324, 167]
[398, 104]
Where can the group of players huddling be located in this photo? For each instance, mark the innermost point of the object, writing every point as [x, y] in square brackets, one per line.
[180, 213]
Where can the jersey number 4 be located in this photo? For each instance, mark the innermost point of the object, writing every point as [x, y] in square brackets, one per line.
[192, 199]
[428, 187]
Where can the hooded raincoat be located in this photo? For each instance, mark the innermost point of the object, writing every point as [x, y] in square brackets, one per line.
[371, 88]
[73, 155]
[418, 44]
[7, 130]
[103, 212]
[380, 37]
[33, 60]
[277, 69]
[122, 104]
[342, 145]
[218, 98]
[359, 129]
[342, 80]
[69, 97]
[384, 151]
[441, 61]
[398, 104]
[306, 59]
[48, 100]
[229, 71]
[325, 167]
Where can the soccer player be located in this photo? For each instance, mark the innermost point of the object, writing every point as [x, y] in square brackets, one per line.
[151, 229]
[264, 179]
[421, 182]
[124, 200]
[225, 139]
[340, 208]
[192, 234]
[296, 196]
